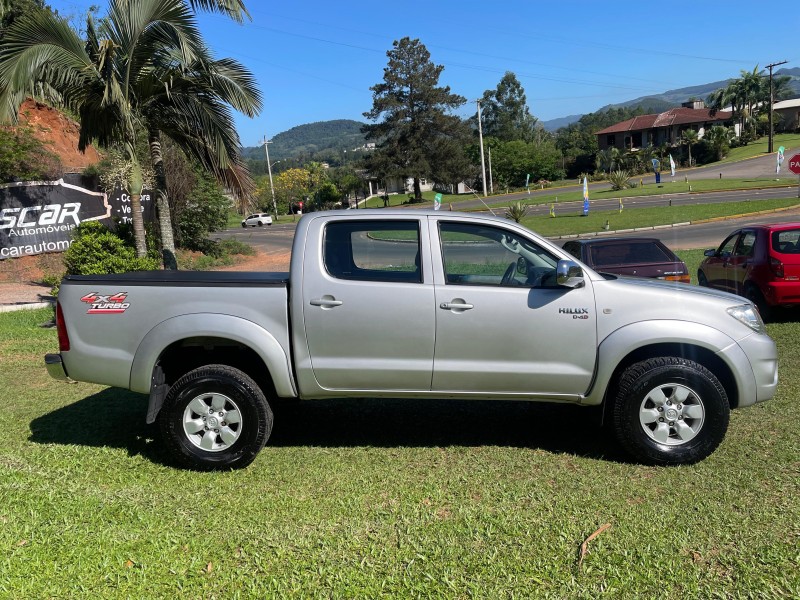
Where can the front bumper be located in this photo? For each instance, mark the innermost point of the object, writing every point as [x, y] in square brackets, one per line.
[55, 367]
[762, 353]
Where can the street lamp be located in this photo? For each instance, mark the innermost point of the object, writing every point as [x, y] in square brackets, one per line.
[266, 143]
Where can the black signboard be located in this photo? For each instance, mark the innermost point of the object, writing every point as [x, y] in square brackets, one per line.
[37, 217]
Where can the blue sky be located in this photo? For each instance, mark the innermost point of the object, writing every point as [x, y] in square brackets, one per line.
[315, 61]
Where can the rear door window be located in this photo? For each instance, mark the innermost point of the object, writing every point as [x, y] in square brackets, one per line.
[373, 250]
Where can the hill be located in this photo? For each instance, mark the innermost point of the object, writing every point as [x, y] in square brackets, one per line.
[311, 139]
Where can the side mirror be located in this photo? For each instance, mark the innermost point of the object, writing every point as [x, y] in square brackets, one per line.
[569, 274]
[709, 252]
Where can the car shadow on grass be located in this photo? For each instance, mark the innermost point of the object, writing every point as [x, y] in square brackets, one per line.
[116, 418]
[113, 418]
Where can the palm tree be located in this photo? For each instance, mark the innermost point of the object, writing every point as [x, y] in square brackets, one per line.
[144, 67]
[690, 138]
[720, 138]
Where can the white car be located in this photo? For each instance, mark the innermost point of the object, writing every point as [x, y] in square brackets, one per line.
[257, 220]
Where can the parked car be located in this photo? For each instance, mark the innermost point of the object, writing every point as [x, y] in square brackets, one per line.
[761, 263]
[257, 220]
[642, 257]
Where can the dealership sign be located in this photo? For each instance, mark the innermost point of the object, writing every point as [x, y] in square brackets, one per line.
[38, 216]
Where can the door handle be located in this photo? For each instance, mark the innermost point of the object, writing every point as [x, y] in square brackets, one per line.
[461, 305]
[326, 302]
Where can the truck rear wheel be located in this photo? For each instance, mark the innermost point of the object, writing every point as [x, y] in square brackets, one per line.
[670, 411]
[215, 417]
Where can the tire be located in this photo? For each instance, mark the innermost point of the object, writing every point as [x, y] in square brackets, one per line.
[752, 293]
[701, 279]
[215, 417]
[244, 225]
[260, 224]
[655, 396]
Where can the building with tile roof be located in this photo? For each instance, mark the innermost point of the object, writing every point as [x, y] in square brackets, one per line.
[665, 127]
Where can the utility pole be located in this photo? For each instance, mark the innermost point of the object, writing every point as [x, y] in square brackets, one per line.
[480, 136]
[491, 186]
[266, 143]
[772, 101]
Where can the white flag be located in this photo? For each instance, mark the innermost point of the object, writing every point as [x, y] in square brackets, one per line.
[671, 165]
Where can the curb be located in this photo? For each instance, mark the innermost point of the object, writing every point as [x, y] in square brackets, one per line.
[4, 308]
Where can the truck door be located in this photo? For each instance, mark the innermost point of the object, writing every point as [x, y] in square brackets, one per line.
[503, 325]
[368, 305]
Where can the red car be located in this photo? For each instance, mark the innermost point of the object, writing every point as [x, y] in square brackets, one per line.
[761, 263]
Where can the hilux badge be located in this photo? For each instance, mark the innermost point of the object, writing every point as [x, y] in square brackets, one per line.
[577, 313]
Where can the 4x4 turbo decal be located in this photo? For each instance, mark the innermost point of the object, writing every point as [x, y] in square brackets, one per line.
[106, 305]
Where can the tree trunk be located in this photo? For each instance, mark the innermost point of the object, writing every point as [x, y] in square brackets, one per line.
[417, 190]
[135, 187]
[138, 222]
[162, 203]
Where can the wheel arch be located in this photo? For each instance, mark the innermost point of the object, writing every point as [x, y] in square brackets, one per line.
[181, 344]
[710, 360]
[694, 341]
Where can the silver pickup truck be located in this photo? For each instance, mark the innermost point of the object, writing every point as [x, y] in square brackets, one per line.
[398, 303]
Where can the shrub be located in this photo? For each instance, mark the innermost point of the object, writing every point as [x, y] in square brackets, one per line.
[96, 251]
[619, 180]
[517, 211]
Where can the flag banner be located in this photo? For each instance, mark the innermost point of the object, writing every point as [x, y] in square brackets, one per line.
[620, 205]
[671, 165]
[585, 197]
[437, 202]
[552, 210]
[656, 165]
[780, 159]
[527, 179]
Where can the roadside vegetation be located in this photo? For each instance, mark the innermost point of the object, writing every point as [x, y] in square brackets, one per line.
[368, 498]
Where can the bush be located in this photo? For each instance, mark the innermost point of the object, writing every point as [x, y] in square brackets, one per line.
[205, 211]
[97, 251]
[517, 211]
[619, 180]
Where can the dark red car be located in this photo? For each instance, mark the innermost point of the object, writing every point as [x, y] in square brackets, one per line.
[640, 257]
[761, 263]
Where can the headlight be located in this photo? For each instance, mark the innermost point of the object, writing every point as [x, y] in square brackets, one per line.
[748, 314]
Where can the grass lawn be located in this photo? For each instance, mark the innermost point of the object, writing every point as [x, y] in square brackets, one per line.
[679, 186]
[575, 222]
[369, 498]
[757, 148]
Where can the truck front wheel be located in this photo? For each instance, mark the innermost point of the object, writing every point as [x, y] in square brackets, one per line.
[215, 417]
[670, 411]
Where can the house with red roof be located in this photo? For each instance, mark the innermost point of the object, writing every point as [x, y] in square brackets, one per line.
[665, 127]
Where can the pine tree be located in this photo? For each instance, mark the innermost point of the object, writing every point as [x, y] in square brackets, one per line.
[415, 127]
